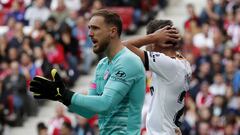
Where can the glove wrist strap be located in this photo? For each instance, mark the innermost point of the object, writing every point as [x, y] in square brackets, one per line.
[66, 99]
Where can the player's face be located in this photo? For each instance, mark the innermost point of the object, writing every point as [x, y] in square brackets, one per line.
[99, 33]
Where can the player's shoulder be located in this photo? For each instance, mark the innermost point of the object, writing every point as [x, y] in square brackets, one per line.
[157, 55]
[129, 61]
[178, 62]
[183, 64]
[128, 57]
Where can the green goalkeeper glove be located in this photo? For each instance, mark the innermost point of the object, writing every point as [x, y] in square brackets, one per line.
[55, 89]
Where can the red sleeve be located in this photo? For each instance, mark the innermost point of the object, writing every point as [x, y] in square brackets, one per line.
[67, 120]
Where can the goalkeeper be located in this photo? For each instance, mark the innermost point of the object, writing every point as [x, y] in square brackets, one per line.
[117, 91]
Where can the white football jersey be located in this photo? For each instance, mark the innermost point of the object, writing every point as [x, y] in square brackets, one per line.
[170, 82]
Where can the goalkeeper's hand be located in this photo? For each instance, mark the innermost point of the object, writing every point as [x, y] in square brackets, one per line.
[55, 89]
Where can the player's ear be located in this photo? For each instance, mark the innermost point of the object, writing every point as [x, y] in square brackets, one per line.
[113, 32]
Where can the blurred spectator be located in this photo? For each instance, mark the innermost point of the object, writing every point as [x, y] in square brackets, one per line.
[229, 72]
[218, 107]
[203, 39]
[66, 129]
[42, 65]
[97, 4]
[204, 114]
[236, 82]
[2, 118]
[51, 24]
[236, 59]
[85, 9]
[191, 117]
[85, 43]
[53, 50]
[37, 35]
[218, 40]
[71, 19]
[27, 46]
[4, 70]
[14, 89]
[229, 130]
[217, 125]
[204, 97]
[218, 87]
[12, 54]
[227, 55]
[41, 129]
[216, 63]
[211, 11]
[214, 86]
[16, 11]
[234, 29]
[232, 6]
[203, 128]
[71, 51]
[73, 5]
[18, 37]
[188, 45]
[36, 29]
[7, 4]
[204, 73]
[38, 11]
[3, 47]
[11, 21]
[56, 123]
[27, 67]
[83, 127]
[192, 24]
[61, 12]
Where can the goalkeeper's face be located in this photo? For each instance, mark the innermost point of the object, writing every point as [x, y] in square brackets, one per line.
[99, 33]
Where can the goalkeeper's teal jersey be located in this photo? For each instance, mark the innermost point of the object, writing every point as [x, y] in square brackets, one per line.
[117, 95]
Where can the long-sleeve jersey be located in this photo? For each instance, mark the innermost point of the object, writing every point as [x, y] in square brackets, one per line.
[116, 94]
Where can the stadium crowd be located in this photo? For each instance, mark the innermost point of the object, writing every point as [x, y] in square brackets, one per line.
[211, 42]
[38, 35]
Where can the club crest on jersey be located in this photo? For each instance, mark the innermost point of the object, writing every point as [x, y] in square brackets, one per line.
[106, 75]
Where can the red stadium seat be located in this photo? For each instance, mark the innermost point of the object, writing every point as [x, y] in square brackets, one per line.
[126, 14]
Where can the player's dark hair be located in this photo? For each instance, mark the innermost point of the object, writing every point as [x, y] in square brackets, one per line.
[110, 18]
[155, 25]
[41, 126]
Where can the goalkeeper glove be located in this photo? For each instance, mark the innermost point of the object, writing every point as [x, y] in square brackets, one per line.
[55, 89]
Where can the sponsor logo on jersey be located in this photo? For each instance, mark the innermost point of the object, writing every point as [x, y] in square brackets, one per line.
[119, 76]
